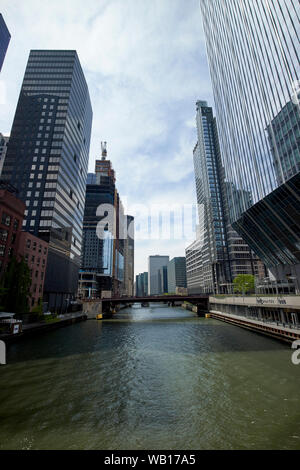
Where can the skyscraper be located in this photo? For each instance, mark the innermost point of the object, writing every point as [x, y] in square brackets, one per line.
[154, 264]
[106, 266]
[47, 161]
[129, 257]
[253, 56]
[141, 285]
[3, 149]
[224, 255]
[4, 40]
[176, 274]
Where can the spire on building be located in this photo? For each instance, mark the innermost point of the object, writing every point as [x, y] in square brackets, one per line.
[104, 150]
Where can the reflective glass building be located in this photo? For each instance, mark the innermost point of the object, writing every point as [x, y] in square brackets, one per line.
[219, 254]
[253, 48]
[141, 285]
[102, 270]
[4, 40]
[47, 161]
[176, 274]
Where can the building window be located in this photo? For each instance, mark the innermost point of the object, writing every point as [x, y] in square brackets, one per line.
[3, 235]
[6, 219]
[2, 250]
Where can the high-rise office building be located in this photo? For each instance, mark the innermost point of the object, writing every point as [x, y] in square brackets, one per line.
[154, 264]
[47, 161]
[253, 56]
[3, 149]
[224, 255]
[129, 258]
[104, 265]
[4, 40]
[141, 285]
[163, 280]
[176, 274]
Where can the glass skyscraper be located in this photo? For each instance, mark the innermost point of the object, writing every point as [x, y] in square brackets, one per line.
[4, 40]
[47, 161]
[103, 257]
[253, 48]
[219, 254]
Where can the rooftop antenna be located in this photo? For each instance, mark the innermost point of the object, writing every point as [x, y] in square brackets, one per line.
[104, 150]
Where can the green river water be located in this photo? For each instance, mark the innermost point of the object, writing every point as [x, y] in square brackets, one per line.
[151, 378]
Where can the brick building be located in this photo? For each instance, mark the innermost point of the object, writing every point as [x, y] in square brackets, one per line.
[14, 242]
[35, 252]
[11, 218]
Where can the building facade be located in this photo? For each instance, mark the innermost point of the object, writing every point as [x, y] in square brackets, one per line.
[4, 40]
[102, 270]
[253, 57]
[154, 264]
[17, 243]
[3, 149]
[35, 253]
[47, 160]
[129, 258]
[141, 285]
[163, 280]
[176, 274]
[11, 218]
[224, 254]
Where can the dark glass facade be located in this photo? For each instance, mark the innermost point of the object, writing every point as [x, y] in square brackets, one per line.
[47, 160]
[176, 274]
[163, 280]
[102, 263]
[253, 49]
[141, 285]
[4, 40]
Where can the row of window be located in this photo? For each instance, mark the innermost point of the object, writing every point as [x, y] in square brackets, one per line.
[7, 219]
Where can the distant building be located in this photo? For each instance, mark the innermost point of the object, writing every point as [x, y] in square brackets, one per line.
[47, 161]
[176, 274]
[129, 258]
[141, 285]
[163, 280]
[154, 264]
[91, 178]
[4, 40]
[103, 258]
[3, 149]
[283, 134]
[219, 254]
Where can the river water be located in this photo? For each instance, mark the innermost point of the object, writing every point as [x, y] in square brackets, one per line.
[151, 378]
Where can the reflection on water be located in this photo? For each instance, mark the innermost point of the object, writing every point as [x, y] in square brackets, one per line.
[151, 378]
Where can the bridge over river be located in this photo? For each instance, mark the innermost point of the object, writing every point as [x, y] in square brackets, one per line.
[106, 305]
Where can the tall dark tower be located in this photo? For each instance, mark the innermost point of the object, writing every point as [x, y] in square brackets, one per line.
[47, 161]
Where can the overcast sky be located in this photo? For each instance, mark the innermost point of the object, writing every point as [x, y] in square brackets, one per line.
[145, 65]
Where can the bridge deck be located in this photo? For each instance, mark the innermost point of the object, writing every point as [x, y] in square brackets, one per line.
[158, 298]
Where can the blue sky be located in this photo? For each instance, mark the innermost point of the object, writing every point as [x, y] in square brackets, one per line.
[145, 64]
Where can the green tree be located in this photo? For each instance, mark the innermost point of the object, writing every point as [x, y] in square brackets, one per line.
[244, 283]
[15, 287]
[38, 308]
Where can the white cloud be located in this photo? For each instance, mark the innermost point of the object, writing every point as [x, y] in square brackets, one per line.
[145, 65]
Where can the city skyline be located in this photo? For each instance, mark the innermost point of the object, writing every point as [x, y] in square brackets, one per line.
[158, 130]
